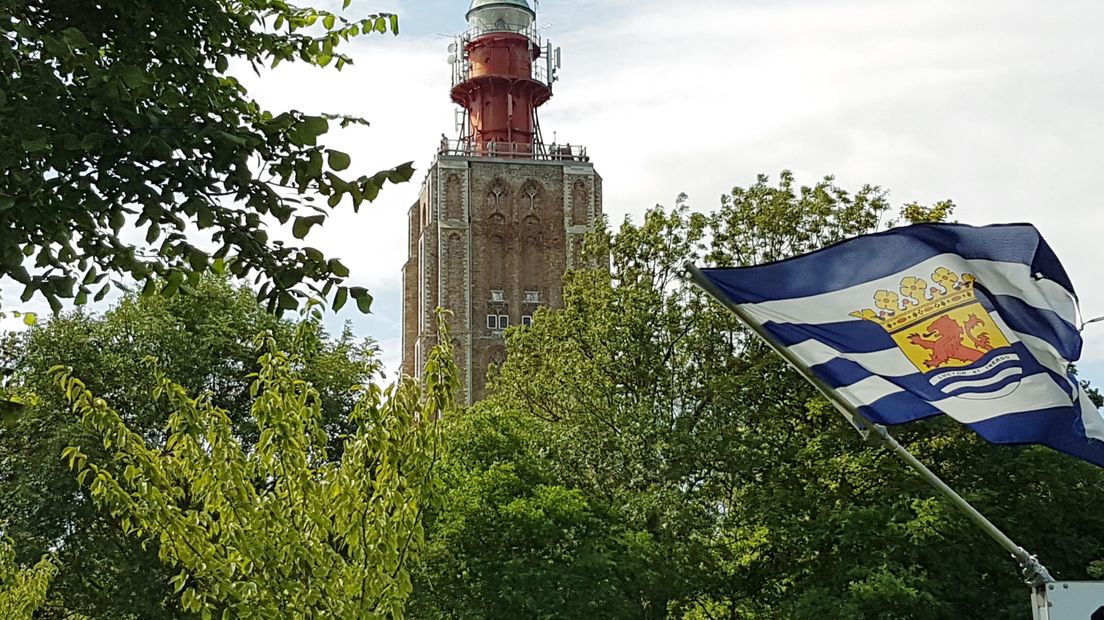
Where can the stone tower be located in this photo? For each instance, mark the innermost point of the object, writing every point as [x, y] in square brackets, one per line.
[501, 215]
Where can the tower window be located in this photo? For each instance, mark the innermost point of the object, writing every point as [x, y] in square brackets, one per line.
[492, 321]
[532, 297]
[526, 320]
[498, 296]
[503, 321]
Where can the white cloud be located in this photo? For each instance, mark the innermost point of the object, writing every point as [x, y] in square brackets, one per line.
[992, 104]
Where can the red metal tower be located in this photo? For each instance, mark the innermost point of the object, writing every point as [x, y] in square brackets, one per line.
[498, 80]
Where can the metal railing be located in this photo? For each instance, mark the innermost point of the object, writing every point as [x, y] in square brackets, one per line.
[513, 150]
[461, 65]
[527, 31]
[462, 72]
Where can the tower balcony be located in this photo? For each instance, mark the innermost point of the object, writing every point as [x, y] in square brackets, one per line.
[513, 150]
[464, 70]
[479, 30]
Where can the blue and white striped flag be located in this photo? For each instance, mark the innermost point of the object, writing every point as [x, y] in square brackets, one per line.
[980, 324]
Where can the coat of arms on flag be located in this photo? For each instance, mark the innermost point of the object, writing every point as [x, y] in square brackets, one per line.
[947, 334]
[978, 323]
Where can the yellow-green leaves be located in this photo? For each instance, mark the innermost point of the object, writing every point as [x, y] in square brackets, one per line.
[282, 525]
[22, 590]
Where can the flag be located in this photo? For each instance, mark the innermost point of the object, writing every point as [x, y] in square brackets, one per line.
[978, 323]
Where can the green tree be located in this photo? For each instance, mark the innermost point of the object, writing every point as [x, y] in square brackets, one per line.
[277, 529]
[123, 113]
[22, 590]
[205, 341]
[509, 541]
[654, 399]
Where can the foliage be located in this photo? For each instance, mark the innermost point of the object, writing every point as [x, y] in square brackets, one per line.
[22, 590]
[122, 113]
[203, 340]
[277, 530]
[651, 398]
[509, 542]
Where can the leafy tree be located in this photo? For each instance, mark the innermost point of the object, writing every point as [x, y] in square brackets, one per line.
[22, 590]
[122, 113]
[205, 341]
[276, 530]
[652, 398]
[509, 541]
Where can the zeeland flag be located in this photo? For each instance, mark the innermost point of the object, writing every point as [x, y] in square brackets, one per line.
[978, 323]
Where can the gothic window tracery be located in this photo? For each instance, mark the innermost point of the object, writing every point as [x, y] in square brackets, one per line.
[580, 203]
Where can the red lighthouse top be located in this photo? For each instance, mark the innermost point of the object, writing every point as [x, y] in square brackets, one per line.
[499, 79]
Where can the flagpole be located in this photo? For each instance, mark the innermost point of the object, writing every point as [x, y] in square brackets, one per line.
[1035, 574]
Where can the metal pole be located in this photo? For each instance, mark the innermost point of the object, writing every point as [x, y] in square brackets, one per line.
[1034, 573]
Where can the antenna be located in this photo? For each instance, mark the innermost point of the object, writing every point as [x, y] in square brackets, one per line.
[452, 47]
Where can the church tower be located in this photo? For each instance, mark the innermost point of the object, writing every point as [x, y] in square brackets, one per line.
[502, 214]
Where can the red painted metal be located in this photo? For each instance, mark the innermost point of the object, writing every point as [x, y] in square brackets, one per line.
[499, 90]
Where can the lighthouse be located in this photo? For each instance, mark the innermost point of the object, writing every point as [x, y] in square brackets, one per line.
[502, 213]
[498, 78]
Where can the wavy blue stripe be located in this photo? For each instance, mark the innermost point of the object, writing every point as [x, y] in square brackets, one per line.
[1060, 428]
[870, 257]
[845, 336]
[1038, 322]
[842, 372]
[987, 389]
[899, 408]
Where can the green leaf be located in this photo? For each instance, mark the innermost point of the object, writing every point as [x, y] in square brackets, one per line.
[401, 174]
[337, 268]
[303, 224]
[35, 145]
[338, 161]
[75, 38]
[328, 22]
[315, 125]
[363, 299]
[340, 298]
[395, 24]
[30, 318]
[6, 202]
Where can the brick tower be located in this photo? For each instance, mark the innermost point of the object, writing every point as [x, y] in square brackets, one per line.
[501, 215]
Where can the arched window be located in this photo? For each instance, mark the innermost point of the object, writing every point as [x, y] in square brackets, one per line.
[580, 203]
[454, 199]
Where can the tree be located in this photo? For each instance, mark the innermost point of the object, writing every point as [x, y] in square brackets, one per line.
[22, 590]
[509, 541]
[653, 398]
[205, 340]
[122, 113]
[276, 530]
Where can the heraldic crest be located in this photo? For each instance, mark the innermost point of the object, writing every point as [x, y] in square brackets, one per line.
[944, 327]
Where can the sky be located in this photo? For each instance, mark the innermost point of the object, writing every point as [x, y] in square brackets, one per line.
[993, 104]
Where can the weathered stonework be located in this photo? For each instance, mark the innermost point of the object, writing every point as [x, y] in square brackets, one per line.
[491, 237]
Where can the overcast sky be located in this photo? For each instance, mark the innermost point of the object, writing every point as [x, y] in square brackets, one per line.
[998, 106]
[995, 105]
